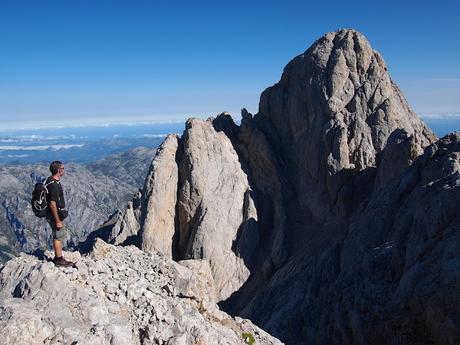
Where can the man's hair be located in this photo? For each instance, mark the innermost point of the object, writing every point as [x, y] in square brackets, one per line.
[54, 167]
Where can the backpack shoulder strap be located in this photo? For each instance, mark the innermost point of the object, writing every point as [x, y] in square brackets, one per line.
[45, 185]
[51, 182]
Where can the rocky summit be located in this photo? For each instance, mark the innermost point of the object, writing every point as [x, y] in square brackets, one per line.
[329, 217]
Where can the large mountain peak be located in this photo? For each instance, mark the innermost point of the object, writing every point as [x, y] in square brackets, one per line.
[283, 206]
[338, 100]
[327, 217]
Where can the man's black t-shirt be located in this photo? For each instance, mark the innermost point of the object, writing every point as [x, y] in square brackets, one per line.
[56, 193]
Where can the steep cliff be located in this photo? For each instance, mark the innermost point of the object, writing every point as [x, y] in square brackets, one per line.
[329, 217]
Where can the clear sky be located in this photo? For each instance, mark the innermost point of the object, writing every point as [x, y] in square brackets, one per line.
[82, 61]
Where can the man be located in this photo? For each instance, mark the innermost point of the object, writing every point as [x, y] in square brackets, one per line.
[57, 212]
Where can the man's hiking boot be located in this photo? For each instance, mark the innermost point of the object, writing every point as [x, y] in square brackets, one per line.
[61, 262]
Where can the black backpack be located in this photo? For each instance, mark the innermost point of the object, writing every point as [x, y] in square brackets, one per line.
[39, 199]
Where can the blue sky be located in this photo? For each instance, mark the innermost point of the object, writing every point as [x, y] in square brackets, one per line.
[70, 62]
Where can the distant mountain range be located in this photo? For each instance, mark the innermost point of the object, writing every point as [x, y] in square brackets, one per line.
[93, 192]
[79, 144]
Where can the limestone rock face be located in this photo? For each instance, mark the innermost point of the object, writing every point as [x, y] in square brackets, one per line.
[212, 199]
[114, 296]
[330, 216]
[196, 203]
[149, 219]
[339, 93]
[333, 111]
[159, 198]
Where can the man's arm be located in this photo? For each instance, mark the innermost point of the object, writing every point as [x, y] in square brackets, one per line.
[54, 213]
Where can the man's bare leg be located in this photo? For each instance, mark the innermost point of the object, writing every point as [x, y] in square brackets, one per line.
[57, 245]
[58, 259]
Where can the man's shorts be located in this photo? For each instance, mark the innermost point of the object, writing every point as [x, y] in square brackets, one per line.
[60, 234]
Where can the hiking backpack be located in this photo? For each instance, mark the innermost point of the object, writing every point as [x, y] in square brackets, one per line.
[39, 199]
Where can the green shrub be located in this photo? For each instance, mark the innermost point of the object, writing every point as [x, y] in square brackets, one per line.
[248, 338]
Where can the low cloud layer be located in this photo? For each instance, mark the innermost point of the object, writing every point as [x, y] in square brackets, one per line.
[39, 147]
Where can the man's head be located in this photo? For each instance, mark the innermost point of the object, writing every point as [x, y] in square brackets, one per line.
[57, 168]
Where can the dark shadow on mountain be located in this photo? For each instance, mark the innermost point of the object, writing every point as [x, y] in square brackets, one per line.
[39, 253]
[85, 246]
[176, 237]
[132, 240]
[254, 241]
[104, 232]
[247, 246]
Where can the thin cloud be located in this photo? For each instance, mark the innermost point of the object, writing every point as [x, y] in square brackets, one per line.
[153, 135]
[17, 156]
[40, 147]
[103, 125]
[37, 138]
[434, 116]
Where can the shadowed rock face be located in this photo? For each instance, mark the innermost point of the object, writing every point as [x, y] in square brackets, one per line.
[387, 277]
[330, 216]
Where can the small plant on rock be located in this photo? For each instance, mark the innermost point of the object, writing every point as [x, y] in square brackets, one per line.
[248, 338]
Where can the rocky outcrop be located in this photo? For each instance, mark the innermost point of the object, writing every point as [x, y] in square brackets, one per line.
[159, 197]
[115, 296]
[180, 192]
[331, 215]
[214, 204]
[124, 225]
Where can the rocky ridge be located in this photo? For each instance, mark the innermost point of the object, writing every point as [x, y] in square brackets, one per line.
[115, 296]
[329, 217]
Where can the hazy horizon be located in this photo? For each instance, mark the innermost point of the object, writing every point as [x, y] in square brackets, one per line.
[434, 121]
[87, 143]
